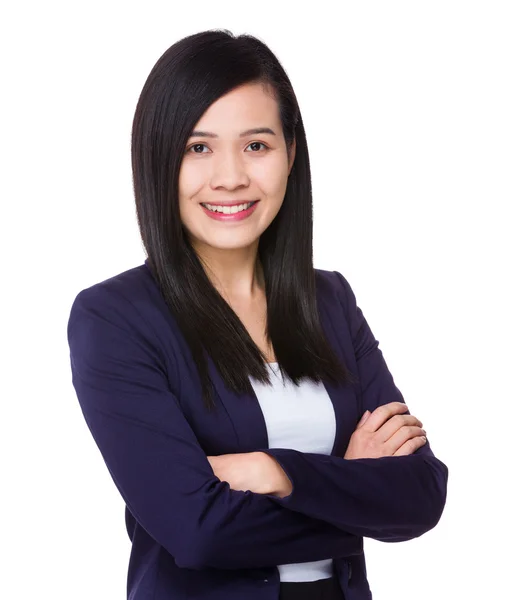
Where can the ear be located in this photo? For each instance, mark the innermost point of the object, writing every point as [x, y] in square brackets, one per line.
[292, 156]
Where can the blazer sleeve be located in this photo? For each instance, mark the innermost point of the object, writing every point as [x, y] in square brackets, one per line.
[391, 498]
[156, 462]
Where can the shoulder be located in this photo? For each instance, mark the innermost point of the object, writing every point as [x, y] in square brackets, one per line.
[130, 284]
[128, 299]
[332, 285]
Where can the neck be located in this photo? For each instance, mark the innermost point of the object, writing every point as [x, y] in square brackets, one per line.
[237, 275]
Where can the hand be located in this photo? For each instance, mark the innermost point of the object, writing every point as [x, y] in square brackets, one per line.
[245, 471]
[386, 432]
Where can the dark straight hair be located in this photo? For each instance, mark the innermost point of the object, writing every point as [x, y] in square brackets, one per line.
[191, 75]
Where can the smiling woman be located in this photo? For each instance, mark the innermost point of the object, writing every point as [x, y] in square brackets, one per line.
[223, 195]
[224, 378]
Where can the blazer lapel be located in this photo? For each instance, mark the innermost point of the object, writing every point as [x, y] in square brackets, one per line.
[343, 397]
[245, 412]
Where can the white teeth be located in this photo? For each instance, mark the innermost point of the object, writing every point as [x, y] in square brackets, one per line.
[228, 210]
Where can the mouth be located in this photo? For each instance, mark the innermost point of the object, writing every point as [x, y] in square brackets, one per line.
[233, 212]
[229, 207]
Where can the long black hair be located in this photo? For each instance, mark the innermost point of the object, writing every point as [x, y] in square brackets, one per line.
[191, 75]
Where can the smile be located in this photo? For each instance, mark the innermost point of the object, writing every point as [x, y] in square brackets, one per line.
[230, 213]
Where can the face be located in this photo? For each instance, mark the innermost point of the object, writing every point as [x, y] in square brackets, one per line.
[226, 163]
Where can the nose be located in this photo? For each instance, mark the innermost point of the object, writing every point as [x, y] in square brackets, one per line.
[229, 172]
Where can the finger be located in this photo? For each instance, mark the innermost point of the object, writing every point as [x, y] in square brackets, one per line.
[403, 435]
[383, 413]
[396, 424]
[410, 446]
[364, 418]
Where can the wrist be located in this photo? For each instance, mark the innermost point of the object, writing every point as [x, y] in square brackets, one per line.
[277, 482]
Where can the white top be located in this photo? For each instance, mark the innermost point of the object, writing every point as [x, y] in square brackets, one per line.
[301, 418]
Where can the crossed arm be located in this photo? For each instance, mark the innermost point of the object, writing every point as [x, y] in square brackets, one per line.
[254, 471]
[385, 432]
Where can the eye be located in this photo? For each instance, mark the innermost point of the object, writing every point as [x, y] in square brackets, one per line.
[198, 145]
[259, 144]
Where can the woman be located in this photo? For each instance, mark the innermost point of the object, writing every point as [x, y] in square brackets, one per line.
[237, 394]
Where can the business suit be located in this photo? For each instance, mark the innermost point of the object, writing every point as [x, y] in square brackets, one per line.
[194, 537]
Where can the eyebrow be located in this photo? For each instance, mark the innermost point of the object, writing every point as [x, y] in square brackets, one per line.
[255, 130]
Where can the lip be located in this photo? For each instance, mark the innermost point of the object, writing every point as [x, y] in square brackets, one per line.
[236, 217]
[235, 203]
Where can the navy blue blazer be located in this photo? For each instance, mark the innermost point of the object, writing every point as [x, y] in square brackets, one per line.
[194, 537]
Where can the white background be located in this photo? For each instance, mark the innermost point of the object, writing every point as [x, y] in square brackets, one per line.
[409, 109]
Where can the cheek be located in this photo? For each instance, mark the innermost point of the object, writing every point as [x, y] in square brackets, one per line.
[271, 178]
[274, 187]
[190, 180]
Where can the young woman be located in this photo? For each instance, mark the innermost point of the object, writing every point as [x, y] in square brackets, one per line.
[237, 394]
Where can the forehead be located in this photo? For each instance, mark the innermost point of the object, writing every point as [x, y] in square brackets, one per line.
[247, 105]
